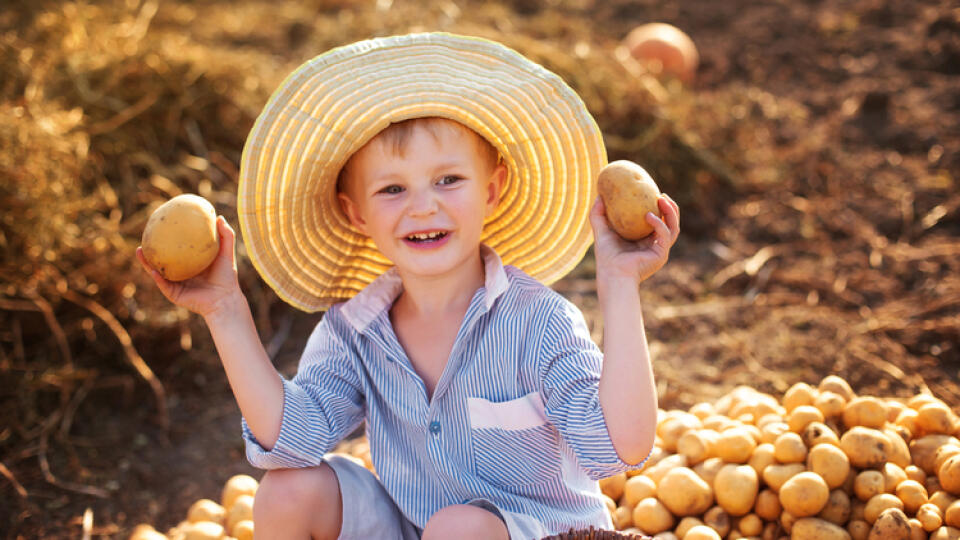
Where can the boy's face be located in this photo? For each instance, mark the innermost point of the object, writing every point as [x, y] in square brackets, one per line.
[424, 209]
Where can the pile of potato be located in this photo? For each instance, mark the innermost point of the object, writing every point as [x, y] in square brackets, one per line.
[822, 463]
[231, 518]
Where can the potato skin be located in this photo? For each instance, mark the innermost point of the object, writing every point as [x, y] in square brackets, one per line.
[628, 193]
[810, 528]
[180, 239]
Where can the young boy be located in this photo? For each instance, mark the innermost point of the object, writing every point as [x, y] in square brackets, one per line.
[489, 410]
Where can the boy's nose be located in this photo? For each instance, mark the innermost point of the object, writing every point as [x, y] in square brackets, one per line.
[422, 202]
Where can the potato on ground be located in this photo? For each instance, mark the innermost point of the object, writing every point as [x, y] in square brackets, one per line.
[866, 411]
[946, 533]
[810, 528]
[930, 517]
[949, 475]
[923, 450]
[652, 516]
[868, 484]
[718, 519]
[736, 488]
[830, 463]
[800, 393]
[613, 486]
[735, 445]
[913, 495]
[768, 505]
[776, 475]
[684, 493]
[879, 504]
[638, 488]
[206, 510]
[804, 494]
[890, 524]
[237, 485]
[702, 532]
[838, 508]
[867, 448]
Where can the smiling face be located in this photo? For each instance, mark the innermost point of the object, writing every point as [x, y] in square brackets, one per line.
[423, 197]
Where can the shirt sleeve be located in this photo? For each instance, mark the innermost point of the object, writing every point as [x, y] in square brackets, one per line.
[570, 367]
[321, 405]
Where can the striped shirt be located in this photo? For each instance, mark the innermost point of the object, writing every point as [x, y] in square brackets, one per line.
[515, 418]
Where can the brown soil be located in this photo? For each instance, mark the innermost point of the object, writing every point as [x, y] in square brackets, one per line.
[815, 159]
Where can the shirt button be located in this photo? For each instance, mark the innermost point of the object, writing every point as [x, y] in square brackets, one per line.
[434, 427]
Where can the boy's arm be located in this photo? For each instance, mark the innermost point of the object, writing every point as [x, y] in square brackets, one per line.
[253, 379]
[627, 391]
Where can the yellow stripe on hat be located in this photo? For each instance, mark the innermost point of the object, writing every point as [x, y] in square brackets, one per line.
[295, 232]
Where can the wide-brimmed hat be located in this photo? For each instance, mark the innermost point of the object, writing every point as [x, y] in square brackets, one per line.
[294, 230]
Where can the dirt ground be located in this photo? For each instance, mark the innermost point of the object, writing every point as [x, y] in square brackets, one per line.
[827, 242]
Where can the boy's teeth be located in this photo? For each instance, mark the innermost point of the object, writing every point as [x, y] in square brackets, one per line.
[425, 236]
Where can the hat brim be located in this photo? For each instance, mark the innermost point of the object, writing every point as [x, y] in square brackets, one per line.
[293, 228]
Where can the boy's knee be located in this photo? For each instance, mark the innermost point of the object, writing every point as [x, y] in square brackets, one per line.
[464, 521]
[290, 491]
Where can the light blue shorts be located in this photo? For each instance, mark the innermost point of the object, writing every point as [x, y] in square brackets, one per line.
[373, 514]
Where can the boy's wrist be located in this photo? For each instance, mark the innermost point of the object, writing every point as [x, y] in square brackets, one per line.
[231, 308]
[616, 285]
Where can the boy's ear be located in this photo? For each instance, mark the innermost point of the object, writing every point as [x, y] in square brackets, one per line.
[352, 211]
[498, 178]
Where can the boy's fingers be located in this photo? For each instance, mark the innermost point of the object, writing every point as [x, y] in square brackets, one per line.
[660, 228]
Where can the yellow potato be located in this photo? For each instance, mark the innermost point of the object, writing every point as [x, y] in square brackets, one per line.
[684, 493]
[916, 530]
[628, 193]
[830, 404]
[946, 533]
[180, 239]
[768, 505]
[243, 530]
[789, 448]
[943, 500]
[930, 517]
[203, 530]
[801, 416]
[923, 450]
[866, 411]
[750, 525]
[652, 516]
[701, 532]
[736, 488]
[146, 532]
[913, 495]
[804, 494]
[866, 447]
[800, 393]
[697, 445]
[638, 488]
[835, 384]
[612, 486]
[899, 450]
[762, 457]
[237, 485]
[837, 509]
[717, 519]
[241, 510]
[810, 528]
[776, 475]
[868, 484]
[708, 469]
[206, 510]
[829, 462]
[891, 523]
[892, 476]
[622, 517]
[936, 418]
[858, 529]
[735, 445]
[878, 503]
[769, 432]
[949, 474]
[686, 524]
[818, 432]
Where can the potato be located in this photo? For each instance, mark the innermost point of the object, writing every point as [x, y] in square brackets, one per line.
[894, 408]
[664, 48]
[789, 448]
[702, 532]
[237, 485]
[858, 529]
[866, 447]
[892, 476]
[697, 445]
[206, 510]
[708, 469]
[702, 410]
[243, 530]
[837, 509]
[612, 486]
[805, 494]
[907, 419]
[943, 500]
[936, 417]
[664, 466]
[768, 505]
[949, 475]
[899, 451]
[665, 535]
[803, 415]
[638, 488]
[810, 528]
[930, 517]
[146, 532]
[776, 475]
[946, 533]
[915, 473]
[818, 432]
[628, 193]
[718, 519]
[800, 393]
[610, 503]
[951, 514]
[916, 530]
[923, 450]
[203, 530]
[866, 411]
[180, 239]
[942, 453]
[919, 400]
[787, 520]
[913, 495]
[762, 458]
[835, 384]
[878, 503]
[830, 404]
[769, 432]
[750, 525]
[652, 516]
[671, 429]
[735, 445]
[829, 462]
[241, 510]
[622, 517]
[890, 524]
[736, 488]
[684, 493]
[686, 524]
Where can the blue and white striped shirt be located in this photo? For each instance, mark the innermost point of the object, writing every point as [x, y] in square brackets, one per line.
[515, 417]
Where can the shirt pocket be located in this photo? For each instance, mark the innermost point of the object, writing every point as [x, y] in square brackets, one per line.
[513, 442]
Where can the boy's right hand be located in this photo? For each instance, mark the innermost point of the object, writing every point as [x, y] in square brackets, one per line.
[211, 290]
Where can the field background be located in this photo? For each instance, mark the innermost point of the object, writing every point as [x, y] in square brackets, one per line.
[815, 159]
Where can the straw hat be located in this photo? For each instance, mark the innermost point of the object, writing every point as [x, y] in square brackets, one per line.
[294, 229]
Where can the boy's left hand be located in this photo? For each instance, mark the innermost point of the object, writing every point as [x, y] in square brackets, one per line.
[618, 258]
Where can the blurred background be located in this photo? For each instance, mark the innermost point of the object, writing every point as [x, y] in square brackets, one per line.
[813, 151]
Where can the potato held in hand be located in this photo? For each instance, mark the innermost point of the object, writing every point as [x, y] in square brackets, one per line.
[181, 239]
[628, 193]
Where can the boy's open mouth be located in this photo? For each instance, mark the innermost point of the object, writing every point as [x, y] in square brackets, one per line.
[426, 238]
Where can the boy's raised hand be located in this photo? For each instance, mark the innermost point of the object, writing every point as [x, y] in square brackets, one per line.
[209, 291]
[619, 258]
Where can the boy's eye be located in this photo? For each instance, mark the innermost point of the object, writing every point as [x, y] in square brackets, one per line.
[392, 190]
[450, 179]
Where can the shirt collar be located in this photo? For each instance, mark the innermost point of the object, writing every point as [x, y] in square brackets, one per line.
[378, 296]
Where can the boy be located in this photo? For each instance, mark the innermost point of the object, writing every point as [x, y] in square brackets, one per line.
[490, 412]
